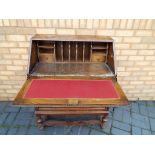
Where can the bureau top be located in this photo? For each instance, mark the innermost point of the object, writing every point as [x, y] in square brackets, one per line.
[73, 38]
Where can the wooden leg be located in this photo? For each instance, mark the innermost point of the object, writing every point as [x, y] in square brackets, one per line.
[43, 118]
[103, 120]
[40, 122]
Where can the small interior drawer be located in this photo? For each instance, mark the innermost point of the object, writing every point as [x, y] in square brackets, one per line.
[98, 57]
[46, 57]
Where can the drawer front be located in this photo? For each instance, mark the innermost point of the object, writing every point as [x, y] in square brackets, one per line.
[98, 58]
[46, 57]
[70, 111]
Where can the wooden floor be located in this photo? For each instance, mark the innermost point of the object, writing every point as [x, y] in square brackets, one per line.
[71, 69]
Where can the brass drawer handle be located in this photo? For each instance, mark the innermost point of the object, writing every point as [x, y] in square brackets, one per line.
[73, 101]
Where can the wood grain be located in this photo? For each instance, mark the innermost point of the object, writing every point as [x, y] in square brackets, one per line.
[71, 57]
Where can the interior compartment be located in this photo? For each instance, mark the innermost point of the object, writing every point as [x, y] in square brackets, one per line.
[71, 58]
[99, 52]
[46, 51]
[99, 45]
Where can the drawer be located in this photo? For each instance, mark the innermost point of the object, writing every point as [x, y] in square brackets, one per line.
[46, 57]
[98, 57]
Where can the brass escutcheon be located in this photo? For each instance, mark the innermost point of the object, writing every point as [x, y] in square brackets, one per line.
[73, 101]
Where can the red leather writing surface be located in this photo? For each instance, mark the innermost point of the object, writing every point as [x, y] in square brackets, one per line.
[71, 89]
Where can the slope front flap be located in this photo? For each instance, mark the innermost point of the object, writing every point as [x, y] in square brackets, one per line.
[47, 91]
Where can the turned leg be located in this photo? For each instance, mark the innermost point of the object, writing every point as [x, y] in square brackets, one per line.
[43, 118]
[103, 120]
[40, 121]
